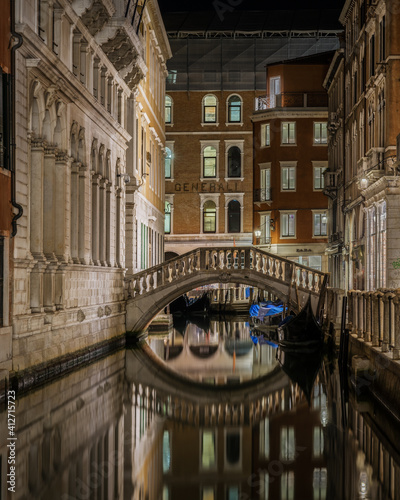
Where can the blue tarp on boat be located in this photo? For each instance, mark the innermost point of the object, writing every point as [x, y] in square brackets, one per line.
[260, 311]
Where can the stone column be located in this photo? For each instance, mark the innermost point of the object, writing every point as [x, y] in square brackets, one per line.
[49, 287]
[83, 217]
[36, 198]
[360, 310]
[109, 229]
[102, 222]
[95, 218]
[62, 194]
[49, 202]
[75, 211]
[368, 305]
[118, 192]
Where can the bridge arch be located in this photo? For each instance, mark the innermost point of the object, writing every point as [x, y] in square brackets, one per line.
[151, 290]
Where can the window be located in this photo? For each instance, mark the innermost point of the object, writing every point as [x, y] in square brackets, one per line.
[265, 184]
[209, 217]
[287, 444]
[320, 133]
[320, 224]
[288, 225]
[234, 162]
[264, 438]
[372, 56]
[208, 493]
[265, 228]
[275, 90]
[166, 452]
[210, 109]
[171, 78]
[318, 442]
[382, 39]
[234, 109]
[209, 162]
[266, 134]
[232, 449]
[288, 178]
[208, 454]
[319, 484]
[167, 220]
[319, 178]
[232, 493]
[233, 216]
[289, 133]
[168, 109]
[168, 162]
[287, 486]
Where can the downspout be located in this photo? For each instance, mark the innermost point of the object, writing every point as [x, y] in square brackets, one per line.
[12, 144]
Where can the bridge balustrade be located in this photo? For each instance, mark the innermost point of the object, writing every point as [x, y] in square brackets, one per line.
[224, 260]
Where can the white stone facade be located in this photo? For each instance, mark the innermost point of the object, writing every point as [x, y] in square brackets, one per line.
[77, 73]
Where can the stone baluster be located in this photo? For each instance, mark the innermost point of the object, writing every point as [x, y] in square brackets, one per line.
[350, 309]
[367, 315]
[387, 303]
[396, 303]
[360, 316]
[375, 320]
[151, 282]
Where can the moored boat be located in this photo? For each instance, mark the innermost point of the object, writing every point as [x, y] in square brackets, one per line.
[302, 330]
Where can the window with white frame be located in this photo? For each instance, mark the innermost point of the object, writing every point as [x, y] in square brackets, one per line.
[288, 224]
[209, 109]
[288, 133]
[168, 163]
[168, 109]
[320, 133]
[234, 109]
[320, 223]
[319, 178]
[288, 177]
[209, 161]
[318, 441]
[234, 210]
[209, 217]
[234, 162]
[265, 134]
[208, 449]
[265, 228]
[265, 184]
[320, 481]
[167, 220]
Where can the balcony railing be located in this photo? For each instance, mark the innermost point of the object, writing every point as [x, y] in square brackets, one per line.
[292, 100]
[261, 195]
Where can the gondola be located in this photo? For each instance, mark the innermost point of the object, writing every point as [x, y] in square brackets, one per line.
[182, 306]
[302, 330]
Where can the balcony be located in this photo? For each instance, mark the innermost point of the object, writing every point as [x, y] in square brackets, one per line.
[292, 100]
[262, 195]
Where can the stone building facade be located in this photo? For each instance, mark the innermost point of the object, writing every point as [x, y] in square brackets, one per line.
[78, 75]
[290, 156]
[367, 185]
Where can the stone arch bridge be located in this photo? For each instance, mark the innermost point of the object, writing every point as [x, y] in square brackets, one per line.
[149, 291]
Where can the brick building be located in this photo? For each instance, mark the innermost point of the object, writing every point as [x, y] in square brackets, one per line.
[290, 156]
[214, 77]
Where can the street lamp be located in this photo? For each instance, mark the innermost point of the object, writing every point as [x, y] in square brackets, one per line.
[257, 234]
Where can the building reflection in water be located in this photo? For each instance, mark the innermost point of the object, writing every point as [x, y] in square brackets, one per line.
[216, 352]
[127, 427]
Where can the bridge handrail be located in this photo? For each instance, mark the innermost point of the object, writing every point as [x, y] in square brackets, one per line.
[220, 258]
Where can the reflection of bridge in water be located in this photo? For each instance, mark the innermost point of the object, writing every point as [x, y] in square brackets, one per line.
[180, 398]
[149, 291]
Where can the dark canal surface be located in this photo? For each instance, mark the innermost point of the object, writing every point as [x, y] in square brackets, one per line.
[205, 415]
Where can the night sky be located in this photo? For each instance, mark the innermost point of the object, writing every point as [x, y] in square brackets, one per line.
[204, 5]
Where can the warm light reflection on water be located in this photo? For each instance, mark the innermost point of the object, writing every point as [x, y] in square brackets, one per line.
[128, 427]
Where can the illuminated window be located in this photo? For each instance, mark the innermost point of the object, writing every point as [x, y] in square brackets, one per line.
[209, 217]
[318, 442]
[319, 177]
[168, 109]
[168, 162]
[289, 133]
[287, 444]
[210, 109]
[166, 452]
[234, 109]
[287, 486]
[209, 162]
[266, 134]
[288, 178]
[288, 225]
[320, 133]
[320, 224]
[167, 220]
[208, 452]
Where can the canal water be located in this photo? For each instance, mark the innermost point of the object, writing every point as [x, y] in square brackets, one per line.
[202, 413]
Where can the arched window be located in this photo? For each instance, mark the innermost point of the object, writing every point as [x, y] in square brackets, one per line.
[209, 217]
[209, 162]
[234, 162]
[168, 109]
[167, 221]
[234, 109]
[234, 217]
[168, 160]
[210, 109]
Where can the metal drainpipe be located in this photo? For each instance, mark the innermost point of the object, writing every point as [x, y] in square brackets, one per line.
[12, 144]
